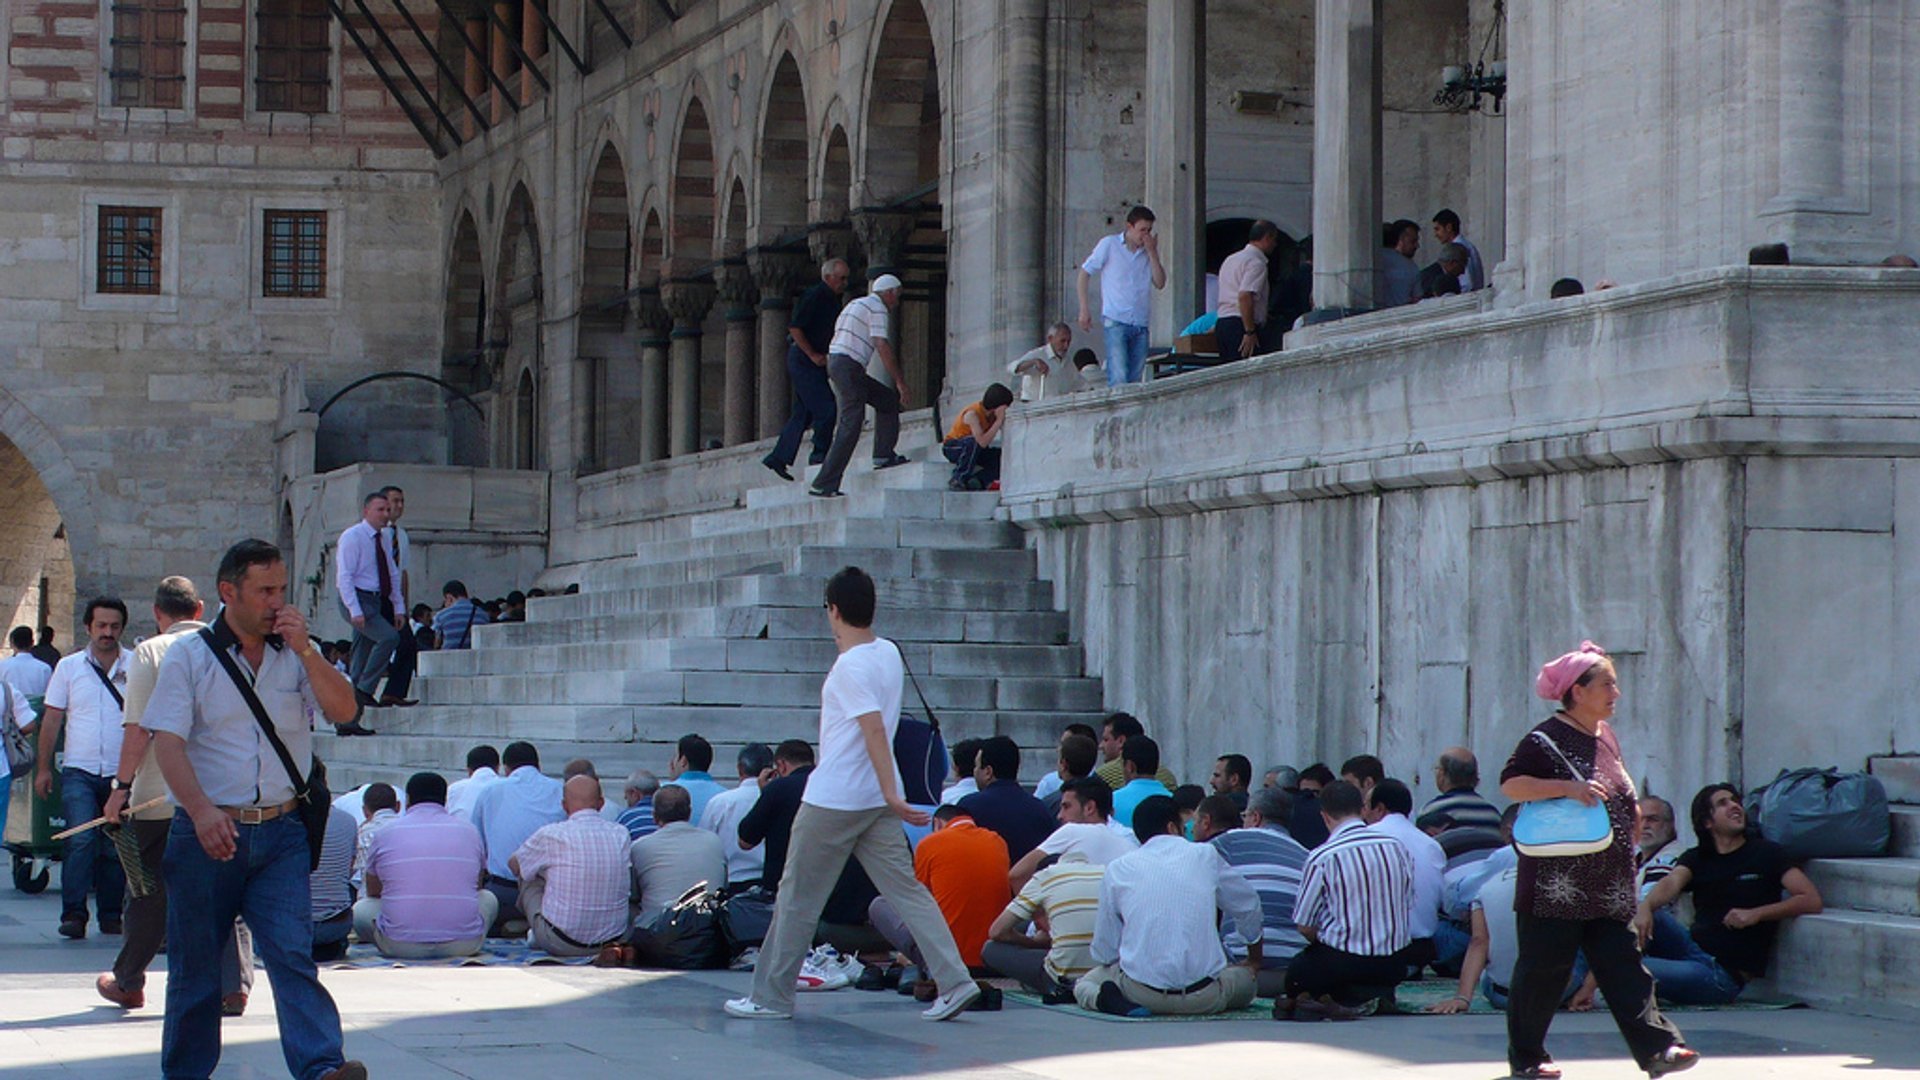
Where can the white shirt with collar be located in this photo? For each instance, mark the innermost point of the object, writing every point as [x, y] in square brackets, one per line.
[26, 673]
[1058, 376]
[1157, 909]
[1429, 870]
[359, 572]
[94, 718]
[461, 793]
[194, 698]
[721, 817]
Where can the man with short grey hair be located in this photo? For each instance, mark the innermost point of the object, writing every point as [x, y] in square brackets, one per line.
[638, 816]
[676, 857]
[723, 812]
[1457, 776]
[860, 336]
[811, 331]
[1045, 370]
[1442, 276]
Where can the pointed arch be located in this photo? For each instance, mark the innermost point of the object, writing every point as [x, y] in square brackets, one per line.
[782, 179]
[691, 193]
[463, 348]
[834, 194]
[902, 145]
[606, 268]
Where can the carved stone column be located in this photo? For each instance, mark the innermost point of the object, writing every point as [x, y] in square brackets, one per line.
[830, 240]
[737, 294]
[778, 274]
[651, 322]
[687, 300]
[883, 233]
[1346, 153]
[1177, 159]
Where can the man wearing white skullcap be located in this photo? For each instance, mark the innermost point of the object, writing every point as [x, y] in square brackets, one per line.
[859, 335]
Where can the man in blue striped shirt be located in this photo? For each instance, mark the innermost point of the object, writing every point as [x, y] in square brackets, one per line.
[1256, 843]
[1355, 909]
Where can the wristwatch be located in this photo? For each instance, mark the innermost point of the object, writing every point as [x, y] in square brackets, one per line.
[120, 785]
[309, 650]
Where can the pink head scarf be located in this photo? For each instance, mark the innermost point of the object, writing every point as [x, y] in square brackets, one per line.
[1558, 676]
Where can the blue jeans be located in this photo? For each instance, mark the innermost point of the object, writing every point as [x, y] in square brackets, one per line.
[1450, 941]
[813, 407]
[1126, 352]
[1496, 993]
[266, 884]
[1683, 972]
[89, 862]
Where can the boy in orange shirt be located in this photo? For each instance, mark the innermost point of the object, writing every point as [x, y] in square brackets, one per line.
[965, 868]
[970, 442]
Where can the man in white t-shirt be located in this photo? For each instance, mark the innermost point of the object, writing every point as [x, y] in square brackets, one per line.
[853, 806]
[860, 336]
[1086, 805]
[24, 671]
[1044, 371]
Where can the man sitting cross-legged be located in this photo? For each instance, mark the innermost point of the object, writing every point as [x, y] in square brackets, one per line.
[424, 873]
[1061, 902]
[1139, 766]
[1257, 844]
[964, 866]
[1355, 910]
[1001, 805]
[1155, 939]
[1086, 806]
[675, 858]
[574, 876]
[1737, 882]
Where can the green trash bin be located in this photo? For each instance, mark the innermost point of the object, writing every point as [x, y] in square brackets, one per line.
[31, 823]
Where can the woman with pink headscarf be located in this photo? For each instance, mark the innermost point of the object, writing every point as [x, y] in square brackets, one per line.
[1573, 903]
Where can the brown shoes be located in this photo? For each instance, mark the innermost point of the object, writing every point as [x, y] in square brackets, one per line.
[234, 1004]
[352, 1070]
[109, 988]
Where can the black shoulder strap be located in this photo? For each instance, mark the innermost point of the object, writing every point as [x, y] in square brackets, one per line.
[932, 720]
[245, 687]
[108, 683]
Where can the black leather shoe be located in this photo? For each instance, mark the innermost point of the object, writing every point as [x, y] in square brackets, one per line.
[354, 728]
[110, 926]
[75, 929]
[888, 463]
[776, 468]
[823, 493]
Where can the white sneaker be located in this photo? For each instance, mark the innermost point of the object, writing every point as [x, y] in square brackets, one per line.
[948, 1006]
[746, 1008]
[818, 973]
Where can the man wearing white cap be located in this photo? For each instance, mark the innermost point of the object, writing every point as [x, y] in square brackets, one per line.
[859, 335]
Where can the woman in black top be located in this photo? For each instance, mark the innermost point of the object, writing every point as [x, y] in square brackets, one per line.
[1566, 904]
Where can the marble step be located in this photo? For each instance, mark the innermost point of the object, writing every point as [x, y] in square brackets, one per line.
[1859, 961]
[939, 564]
[927, 472]
[1906, 832]
[876, 532]
[1888, 886]
[798, 656]
[628, 687]
[886, 503]
[665, 723]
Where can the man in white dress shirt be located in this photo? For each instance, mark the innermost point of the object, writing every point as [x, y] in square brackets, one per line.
[86, 698]
[1389, 810]
[483, 768]
[24, 671]
[1045, 371]
[1156, 940]
[368, 581]
[724, 811]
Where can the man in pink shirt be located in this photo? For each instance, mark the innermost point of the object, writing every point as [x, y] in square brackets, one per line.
[424, 873]
[1243, 293]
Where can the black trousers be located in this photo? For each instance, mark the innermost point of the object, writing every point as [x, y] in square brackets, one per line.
[406, 662]
[1540, 972]
[146, 923]
[1348, 978]
[1228, 332]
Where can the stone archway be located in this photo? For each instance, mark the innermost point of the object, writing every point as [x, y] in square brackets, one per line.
[463, 358]
[607, 379]
[514, 342]
[688, 290]
[651, 322]
[50, 551]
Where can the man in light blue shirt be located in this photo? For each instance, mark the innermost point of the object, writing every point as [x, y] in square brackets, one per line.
[691, 760]
[1129, 266]
[508, 811]
[1139, 762]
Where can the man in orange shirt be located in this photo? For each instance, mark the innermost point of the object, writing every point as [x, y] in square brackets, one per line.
[965, 868]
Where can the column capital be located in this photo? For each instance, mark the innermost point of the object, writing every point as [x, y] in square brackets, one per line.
[687, 300]
[777, 271]
[883, 234]
[734, 285]
[650, 316]
[829, 240]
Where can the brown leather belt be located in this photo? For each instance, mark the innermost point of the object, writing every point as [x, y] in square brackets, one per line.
[259, 815]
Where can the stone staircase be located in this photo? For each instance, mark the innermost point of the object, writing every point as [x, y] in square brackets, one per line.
[1861, 953]
[714, 625]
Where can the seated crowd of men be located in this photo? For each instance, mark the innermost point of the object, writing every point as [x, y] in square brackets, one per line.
[1109, 884]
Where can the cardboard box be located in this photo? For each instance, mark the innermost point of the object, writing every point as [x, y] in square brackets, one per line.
[1207, 344]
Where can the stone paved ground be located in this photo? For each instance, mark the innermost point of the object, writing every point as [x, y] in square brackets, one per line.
[581, 1024]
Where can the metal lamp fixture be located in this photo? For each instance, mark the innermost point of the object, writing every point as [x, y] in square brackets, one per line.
[1463, 85]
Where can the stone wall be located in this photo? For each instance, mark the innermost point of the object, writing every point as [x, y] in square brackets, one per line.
[1370, 544]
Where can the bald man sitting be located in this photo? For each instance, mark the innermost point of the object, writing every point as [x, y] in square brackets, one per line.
[574, 876]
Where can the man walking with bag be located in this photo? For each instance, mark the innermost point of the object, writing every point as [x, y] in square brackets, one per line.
[853, 807]
[228, 715]
[85, 699]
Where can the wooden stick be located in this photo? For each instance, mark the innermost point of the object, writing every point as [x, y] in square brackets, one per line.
[157, 800]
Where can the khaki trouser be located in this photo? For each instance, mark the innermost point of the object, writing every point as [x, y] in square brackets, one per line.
[822, 842]
[1231, 989]
[366, 927]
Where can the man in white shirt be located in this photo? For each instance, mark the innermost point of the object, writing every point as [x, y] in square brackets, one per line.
[1446, 229]
[1389, 810]
[368, 581]
[1156, 940]
[406, 648]
[507, 812]
[24, 671]
[724, 811]
[1044, 371]
[1129, 266]
[574, 877]
[1242, 308]
[859, 336]
[853, 806]
[1355, 897]
[1086, 805]
[483, 768]
[86, 698]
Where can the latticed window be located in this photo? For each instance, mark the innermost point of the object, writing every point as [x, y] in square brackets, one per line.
[295, 262]
[129, 257]
[293, 56]
[149, 54]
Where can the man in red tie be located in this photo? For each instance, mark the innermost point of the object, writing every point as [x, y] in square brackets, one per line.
[368, 580]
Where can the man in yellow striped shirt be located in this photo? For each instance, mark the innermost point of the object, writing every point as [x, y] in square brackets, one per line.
[1061, 902]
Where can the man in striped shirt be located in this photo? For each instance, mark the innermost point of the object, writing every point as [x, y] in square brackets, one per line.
[1062, 902]
[860, 337]
[1270, 859]
[1355, 911]
[574, 878]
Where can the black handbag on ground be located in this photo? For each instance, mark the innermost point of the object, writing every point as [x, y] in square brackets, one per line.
[745, 918]
[316, 802]
[689, 936]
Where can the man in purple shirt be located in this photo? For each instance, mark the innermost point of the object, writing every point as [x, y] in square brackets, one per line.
[424, 876]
